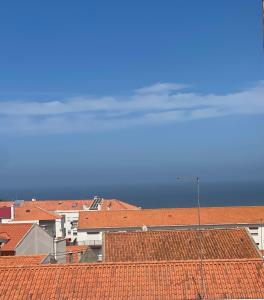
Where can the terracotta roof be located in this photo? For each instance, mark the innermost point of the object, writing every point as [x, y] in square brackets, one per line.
[73, 253]
[6, 203]
[15, 232]
[57, 205]
[171, 217]
[22, 260]
[179, 245]
[114, 204]
[61, 205]
[34, 213]
[4, 236]
[76, 248]
[164, 280]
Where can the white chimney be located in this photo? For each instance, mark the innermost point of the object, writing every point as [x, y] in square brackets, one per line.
[34, 199]
[12, 212]
[144, 228]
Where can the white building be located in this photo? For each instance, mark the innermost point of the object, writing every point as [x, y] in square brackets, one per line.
[52, 223]
[66, 212]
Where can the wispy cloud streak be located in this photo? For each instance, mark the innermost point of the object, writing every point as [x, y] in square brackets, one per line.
[157, 104]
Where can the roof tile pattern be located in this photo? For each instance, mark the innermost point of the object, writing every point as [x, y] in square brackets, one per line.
[179, 245]
[21, 260]
[6, 203]
[74, 253]
[34, 213]
[59, 205]
[64, 205]
[15, 233]
[172, 217]
[165, 280]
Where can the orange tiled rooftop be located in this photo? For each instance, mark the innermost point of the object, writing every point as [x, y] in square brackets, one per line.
[171, 216]
[153, 280]
[74, 252]
[15, 233]
[22, 260]
[6, 203]
[53, 205]
[25, 213]
[179, 245]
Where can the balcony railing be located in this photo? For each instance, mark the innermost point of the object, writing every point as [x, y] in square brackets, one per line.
[91, 243]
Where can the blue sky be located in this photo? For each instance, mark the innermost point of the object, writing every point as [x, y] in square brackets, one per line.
[102, 92]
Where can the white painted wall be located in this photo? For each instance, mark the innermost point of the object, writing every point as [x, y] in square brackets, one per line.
[257, 233]
[89, 238]
[70, 216]
[58, 228]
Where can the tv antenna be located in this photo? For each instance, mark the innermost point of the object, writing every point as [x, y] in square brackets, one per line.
[196, 180]
[263, 24]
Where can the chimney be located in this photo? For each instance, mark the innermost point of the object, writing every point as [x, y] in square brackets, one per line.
[100, 204]
[144, 228]
[109, 206]
[34, 199]
[12, 212]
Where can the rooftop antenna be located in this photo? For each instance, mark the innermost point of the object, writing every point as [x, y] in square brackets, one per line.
[196, 180]
[261, 239]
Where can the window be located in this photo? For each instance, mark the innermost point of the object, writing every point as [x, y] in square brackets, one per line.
[74, 233]
[254, 233]
[93, 232]
[253, 228]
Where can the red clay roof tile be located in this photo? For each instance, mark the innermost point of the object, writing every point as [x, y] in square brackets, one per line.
[164, 280]
[6, 203]
[34, 213]
[179, 245]
[171, 217]
[61, 205]
[74, 253]
[15, 232]
[21, 260]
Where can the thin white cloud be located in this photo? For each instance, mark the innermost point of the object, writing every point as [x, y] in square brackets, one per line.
[161, 88]
[160, 103]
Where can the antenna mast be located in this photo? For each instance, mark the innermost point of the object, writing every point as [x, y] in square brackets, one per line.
[263, 24]
[200, 235]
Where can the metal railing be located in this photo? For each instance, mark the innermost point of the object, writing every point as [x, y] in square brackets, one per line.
[91, 243]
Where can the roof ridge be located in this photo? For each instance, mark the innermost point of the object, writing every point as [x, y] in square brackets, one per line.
[48, 212]
[144, 263]
[176, 230]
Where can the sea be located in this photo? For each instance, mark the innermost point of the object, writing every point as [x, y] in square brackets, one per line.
[152, 195]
